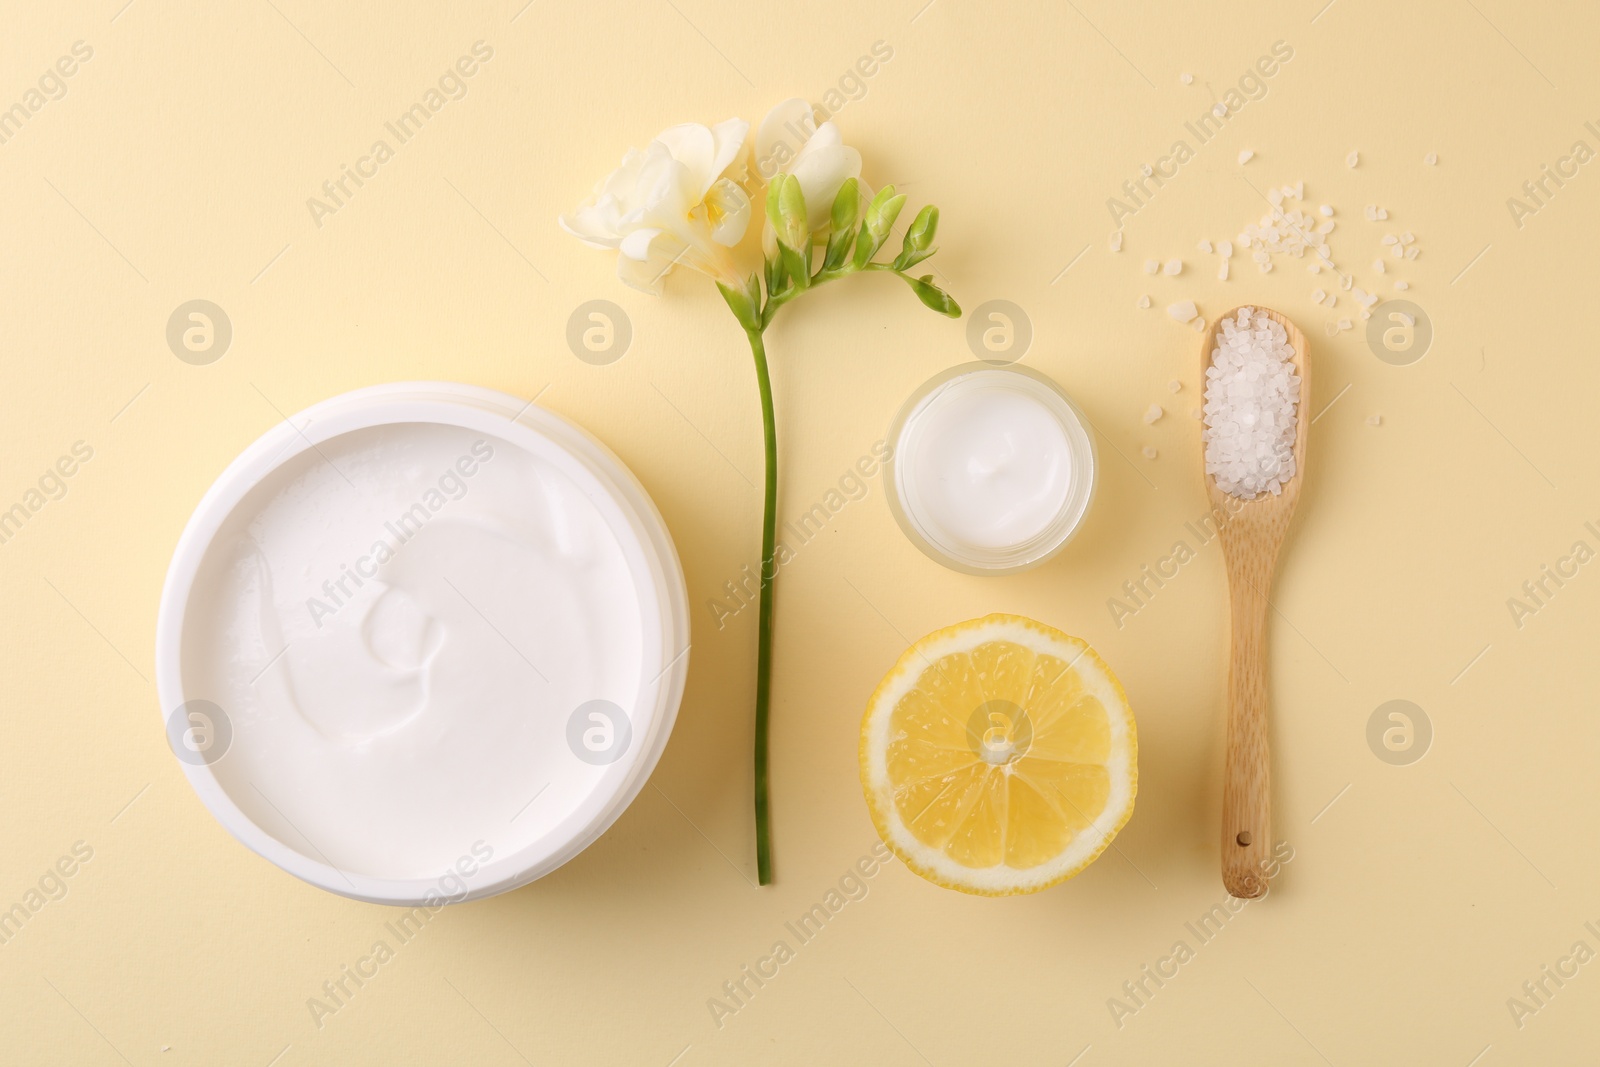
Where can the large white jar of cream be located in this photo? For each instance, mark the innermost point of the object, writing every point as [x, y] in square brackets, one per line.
[421, 643]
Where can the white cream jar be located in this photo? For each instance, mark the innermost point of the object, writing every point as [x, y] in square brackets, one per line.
[422, 642]
[993, 468]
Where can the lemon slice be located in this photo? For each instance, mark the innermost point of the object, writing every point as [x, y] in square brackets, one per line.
[999, 756]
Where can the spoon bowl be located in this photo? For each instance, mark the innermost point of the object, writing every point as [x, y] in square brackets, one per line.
[1252, 532]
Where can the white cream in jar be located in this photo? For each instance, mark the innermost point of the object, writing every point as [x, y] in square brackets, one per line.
[993, 468]
[430, 642]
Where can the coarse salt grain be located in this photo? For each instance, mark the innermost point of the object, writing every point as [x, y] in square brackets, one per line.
[1152, 413]
[1318, 295]
[1326, 210]
[1402, 285]
[1222, 269]
[1116, 241]
[1151, 266]
[1174, 386]
[1352, 159]
[1431, 159]
[1149, 452]
[1183, 310]
[1246, 156]
[1204, 246]
[1144, 301]
[1251, 394]
[1187, 79]
[1174, 266]
[1225, 248]
[1375, 420]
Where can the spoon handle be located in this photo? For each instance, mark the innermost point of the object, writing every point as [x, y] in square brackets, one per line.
[1246, 781]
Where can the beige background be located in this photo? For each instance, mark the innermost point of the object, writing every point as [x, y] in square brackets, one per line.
[1420, 898]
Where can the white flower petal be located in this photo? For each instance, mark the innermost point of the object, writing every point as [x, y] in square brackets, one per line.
[781, 135]
[647, 273]
[820, 174]
[636, 245]
[730, 137]
[827, 136]
[692, 145]
[728, 210]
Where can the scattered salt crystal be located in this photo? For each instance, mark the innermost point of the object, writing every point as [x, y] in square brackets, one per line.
[1149, 453]
[1199, 325]
[1275, 196]
[1431, 159]
[1325, 226]
[1246, 156]
[1183, 310]
[1412, 253]
[1219, 110]
[1116, 241]
[1378, 266]
[1332, 300]
[1331, 329]
[1151, 266]
[1204, 246]
[1390, 239]
[1408, 319]
[1222, 270]
[1144, 301]
[1314, 267]
[1375, 420]
[1251, 394]
[1326, 210]
[1402, 286]
[1187, 79]
[1225, 248]
[1152, 413]
[1261, 257]
[1174, 386]
[1345, 324]
[1174, 266]
[1346, 281]
[1352, 159]
[1408, 238]
[1318, 295]
[1371, 212]
[1383, 213]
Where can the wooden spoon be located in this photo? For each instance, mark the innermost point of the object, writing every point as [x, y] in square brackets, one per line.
[1251, 532]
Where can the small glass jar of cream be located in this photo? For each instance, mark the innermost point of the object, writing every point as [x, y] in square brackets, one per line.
[992, 468]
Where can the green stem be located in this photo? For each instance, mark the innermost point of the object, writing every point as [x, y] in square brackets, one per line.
[769, 538]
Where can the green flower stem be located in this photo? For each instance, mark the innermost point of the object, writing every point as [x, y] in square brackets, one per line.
[769, 538]
[849, 251]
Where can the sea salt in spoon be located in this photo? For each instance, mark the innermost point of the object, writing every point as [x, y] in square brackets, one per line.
[1251, 538]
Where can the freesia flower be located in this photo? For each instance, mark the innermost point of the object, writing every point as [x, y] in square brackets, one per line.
[678, 201]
